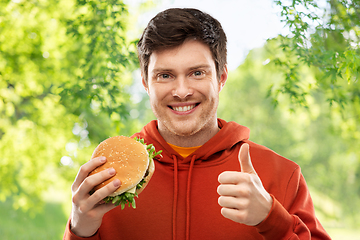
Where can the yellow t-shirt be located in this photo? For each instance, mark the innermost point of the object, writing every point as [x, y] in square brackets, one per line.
[184, 151]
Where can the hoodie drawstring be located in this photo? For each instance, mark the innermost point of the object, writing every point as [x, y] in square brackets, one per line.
[176, 190]
[175, 195]
[188, 197]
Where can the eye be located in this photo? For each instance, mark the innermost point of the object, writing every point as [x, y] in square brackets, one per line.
[163, 76]
[197, 73]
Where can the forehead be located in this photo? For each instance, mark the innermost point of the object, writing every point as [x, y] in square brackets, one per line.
[189, 53]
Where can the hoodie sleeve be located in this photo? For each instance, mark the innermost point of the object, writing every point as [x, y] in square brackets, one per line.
[69, 235]
[293, 217]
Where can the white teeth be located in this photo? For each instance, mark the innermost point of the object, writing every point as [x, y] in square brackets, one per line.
[184, 109]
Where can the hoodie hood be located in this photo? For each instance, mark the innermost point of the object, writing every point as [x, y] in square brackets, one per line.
[217, 148]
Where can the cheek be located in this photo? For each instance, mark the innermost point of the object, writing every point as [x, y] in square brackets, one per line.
[157, 93]
[211, 91]
[211, 88]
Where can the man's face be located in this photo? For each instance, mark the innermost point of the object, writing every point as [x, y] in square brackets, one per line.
[183, 89]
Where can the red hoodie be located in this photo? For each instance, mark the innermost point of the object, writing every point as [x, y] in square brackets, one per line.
[181, 200]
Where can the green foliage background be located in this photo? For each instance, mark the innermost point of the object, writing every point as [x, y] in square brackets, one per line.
[69, 79]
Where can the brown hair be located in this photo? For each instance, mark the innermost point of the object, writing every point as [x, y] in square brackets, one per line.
[170, 28]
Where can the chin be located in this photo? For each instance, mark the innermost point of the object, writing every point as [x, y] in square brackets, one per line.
[181, 132]
[185, 134]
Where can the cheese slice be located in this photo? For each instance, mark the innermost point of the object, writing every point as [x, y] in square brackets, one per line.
[132, 190]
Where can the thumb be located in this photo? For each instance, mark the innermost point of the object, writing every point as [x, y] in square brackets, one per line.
[245, 160]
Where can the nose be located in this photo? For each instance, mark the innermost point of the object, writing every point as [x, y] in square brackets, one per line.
[182, 88]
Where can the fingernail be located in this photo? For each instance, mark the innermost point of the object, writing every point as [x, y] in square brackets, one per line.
[111, 171]
[102, 159]
[116, 183]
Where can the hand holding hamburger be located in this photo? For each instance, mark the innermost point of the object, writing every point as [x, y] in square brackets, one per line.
[108, 180]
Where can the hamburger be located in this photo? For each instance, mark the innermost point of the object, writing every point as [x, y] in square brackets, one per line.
[133, 161]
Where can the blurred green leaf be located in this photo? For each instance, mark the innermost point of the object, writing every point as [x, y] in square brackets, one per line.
[65, 69]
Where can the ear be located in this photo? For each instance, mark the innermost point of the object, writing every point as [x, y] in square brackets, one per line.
[223, 78]
[144, 83]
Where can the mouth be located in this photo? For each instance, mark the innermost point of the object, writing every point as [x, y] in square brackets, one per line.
[183, 108]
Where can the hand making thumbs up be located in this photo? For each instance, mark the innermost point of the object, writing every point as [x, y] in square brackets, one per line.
[242, 196]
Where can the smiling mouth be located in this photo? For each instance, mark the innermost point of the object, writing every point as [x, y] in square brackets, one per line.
[183, 108]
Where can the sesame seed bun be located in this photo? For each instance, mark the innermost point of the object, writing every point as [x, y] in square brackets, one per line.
[129, 158]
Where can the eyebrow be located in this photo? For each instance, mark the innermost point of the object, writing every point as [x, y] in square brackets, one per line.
[157, 70]
[207, 66]
[160, 69]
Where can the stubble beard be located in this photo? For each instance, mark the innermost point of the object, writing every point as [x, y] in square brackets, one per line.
[205, 121]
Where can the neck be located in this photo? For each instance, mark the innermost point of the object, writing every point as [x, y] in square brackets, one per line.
[192, 140]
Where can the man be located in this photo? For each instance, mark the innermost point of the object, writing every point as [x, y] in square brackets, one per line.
[212, 182]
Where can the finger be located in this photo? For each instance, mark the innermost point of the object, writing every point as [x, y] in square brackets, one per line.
[104, 208]
[91, 181]
[85, 170]
[103, 192]
[98, 210]
[234, 214]
[233, 202]
[245, 160]
[240, 190]
[233, 177]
